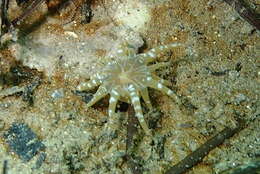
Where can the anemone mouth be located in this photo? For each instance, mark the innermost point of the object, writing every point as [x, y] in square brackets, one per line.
[124, 78]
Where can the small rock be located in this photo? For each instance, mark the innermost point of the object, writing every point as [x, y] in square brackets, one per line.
[239, 98]
[59, 93]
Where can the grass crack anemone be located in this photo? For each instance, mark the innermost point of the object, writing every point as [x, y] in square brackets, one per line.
[127, 78]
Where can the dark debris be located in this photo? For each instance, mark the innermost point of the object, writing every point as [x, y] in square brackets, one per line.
[73, 157]
[17, 75]
[86, 12]
[23, 141]
[159, 148]
[20, 2]
[154, 119]
[122, 106]
[29, 89]
[238, 67]
[21, 77]
[86, 96]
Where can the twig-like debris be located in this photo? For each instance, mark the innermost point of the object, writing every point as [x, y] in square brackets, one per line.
[247, 14]
[131, 131]
[217, 73]
[5, 167]
[197, 156]
[8, 29]
[11, 91]
[27, 12]
[5, 22]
